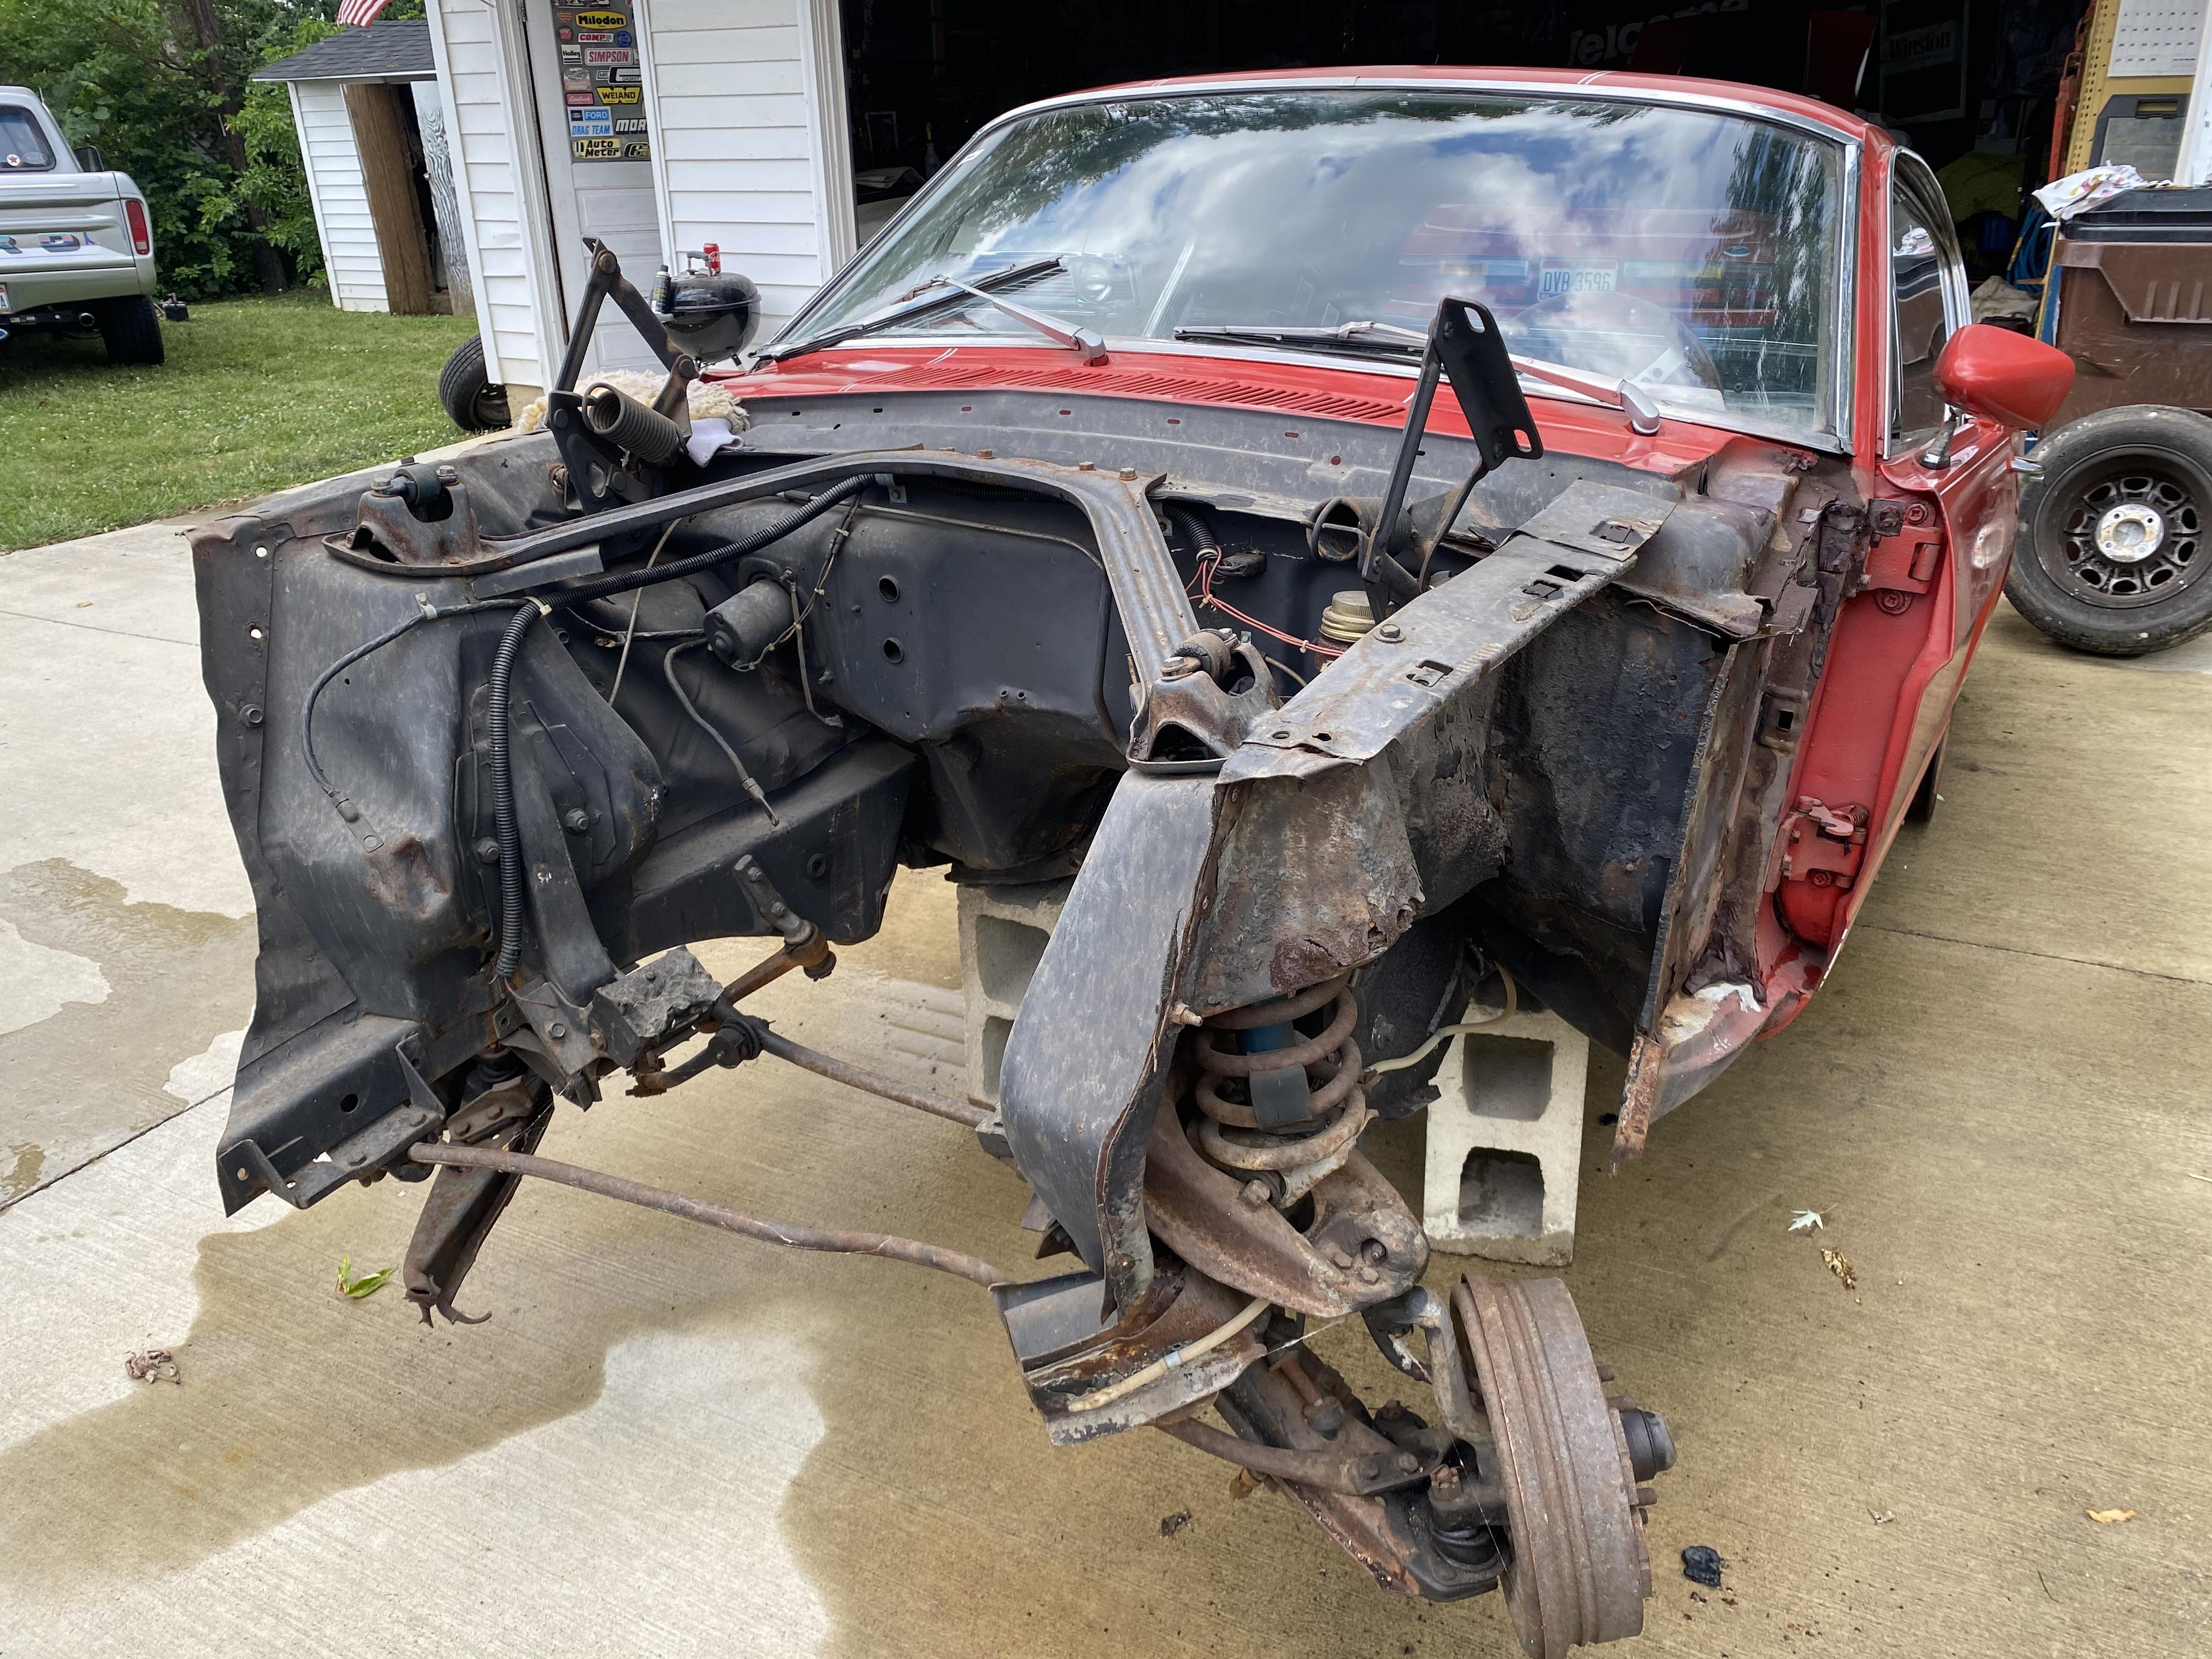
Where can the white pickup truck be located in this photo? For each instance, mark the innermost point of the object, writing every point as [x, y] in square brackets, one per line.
[76, 247]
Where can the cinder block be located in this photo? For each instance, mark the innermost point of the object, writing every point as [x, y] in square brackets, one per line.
[1003, 934]
[1504, 1141]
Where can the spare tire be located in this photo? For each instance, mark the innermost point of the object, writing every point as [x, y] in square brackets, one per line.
[466, 389]
[2115, 553]
[131, 329]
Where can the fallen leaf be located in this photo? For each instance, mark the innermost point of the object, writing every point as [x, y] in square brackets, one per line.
[154, 1365]
[2110, 1517]
[367, 1285]
[1882, 1518]
[1841, 1268]
[1807, 1221]
[1172, 1524]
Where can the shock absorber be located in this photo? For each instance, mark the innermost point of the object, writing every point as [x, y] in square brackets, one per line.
[1280, 1106]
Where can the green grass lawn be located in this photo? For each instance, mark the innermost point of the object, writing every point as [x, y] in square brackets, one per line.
[257, 395]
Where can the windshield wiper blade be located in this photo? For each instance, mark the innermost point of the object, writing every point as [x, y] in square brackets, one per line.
[984, 286]
[1359, 336]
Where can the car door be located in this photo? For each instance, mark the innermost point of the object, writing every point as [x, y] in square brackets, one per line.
[1941, 500]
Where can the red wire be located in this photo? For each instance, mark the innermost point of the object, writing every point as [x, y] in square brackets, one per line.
[1205, 568]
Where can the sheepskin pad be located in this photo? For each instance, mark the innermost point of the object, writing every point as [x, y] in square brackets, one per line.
[709, 400]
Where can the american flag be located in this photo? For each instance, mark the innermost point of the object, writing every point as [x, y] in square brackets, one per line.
[361, 13]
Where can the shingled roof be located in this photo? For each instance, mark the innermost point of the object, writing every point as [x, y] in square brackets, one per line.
[394, 50]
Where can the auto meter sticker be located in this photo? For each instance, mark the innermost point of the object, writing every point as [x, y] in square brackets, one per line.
[595, 149]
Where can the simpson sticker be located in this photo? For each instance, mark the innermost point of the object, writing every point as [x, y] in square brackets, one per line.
[608, 55]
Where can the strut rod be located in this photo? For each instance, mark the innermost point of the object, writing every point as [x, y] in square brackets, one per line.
[874, 1083]
[788, 1233]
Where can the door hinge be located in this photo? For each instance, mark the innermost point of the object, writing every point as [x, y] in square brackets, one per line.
[1824, 846]
[1908, 546]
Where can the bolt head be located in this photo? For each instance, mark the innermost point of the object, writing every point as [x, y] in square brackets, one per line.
[556, 1031]
[1254, 1194]
[576, 821]
[1391, 631]
[487, 851]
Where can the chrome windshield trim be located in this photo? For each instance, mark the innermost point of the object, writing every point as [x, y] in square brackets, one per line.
[1826, 442]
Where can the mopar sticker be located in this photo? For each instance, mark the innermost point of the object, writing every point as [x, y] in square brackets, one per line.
[629, 124]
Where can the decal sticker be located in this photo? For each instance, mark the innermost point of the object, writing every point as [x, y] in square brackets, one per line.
[578, 79]
[577, 99]
[567, 35]
[595, 37]
[600, 76]
[609, 55]
[594, 150]
[594, 123]
[601, 19]
[638, 150]
[630, 124]
[627, 77]
[619, 94]
[624, 38]
[571, 54]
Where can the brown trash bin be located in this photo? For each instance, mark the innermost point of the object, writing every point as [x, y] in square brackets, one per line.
[2135, 301]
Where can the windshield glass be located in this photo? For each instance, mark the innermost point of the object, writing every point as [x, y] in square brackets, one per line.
[1693, 252]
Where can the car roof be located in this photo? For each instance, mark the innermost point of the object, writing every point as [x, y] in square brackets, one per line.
[1674, 88]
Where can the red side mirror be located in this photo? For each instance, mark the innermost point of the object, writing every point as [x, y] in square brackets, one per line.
[2003, 376]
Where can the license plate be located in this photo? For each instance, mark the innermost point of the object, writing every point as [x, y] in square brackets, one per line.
[1577, 279]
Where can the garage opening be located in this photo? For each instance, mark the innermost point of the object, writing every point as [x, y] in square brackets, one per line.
[403, 205]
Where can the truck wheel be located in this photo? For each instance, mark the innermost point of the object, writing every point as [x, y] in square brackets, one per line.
[466, 389]
[131, 329]
[2116, 533]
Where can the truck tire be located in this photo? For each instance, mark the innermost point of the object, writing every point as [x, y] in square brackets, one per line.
[2115, 553]
[131, 329]
[465, 387]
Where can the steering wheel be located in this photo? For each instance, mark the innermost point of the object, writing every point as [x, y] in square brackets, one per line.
[1616, 335]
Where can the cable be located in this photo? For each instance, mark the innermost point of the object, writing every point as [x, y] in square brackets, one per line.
[1209, 561]
[429, 613]
[1446, 1032]
[745, 778]
[630, 632]
[623, 582]
[1170, 1360]
[789, 1234]
[502, 791]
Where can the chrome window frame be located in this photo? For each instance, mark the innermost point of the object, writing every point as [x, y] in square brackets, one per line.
[1836, 438]
[1910, 174]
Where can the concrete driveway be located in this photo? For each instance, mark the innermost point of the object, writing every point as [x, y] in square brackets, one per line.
[667, 1441]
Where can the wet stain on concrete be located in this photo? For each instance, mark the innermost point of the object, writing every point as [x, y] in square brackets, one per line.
[92, 1075]
[23, 1174]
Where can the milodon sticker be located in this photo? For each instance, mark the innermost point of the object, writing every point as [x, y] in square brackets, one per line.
[602, 20]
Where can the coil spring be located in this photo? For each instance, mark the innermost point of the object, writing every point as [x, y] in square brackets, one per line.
[631, 425]
[1336, 1107]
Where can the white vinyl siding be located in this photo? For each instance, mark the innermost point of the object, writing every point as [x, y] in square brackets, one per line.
[736, 141]
[353, 265]
[487, 118]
